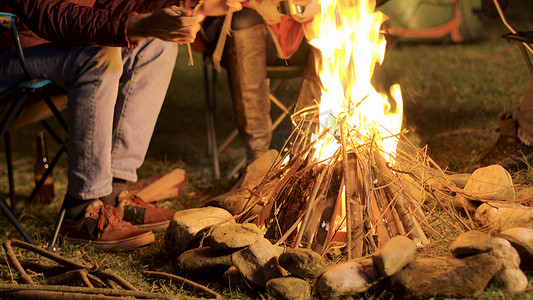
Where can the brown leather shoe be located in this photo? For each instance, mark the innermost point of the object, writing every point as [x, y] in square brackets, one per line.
[105, 230]
[133, 209]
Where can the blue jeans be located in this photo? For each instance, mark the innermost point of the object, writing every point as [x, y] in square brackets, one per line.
[115, 96]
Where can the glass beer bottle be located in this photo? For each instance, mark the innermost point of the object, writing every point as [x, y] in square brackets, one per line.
[46, 193]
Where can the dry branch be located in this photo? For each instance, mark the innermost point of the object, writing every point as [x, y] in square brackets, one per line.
[74, 291]
[183, 281]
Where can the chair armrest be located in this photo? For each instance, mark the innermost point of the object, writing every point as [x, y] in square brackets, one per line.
[6, 19]
[522, 37]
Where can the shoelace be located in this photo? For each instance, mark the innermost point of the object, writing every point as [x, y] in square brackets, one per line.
[138, 201]
[109, 215]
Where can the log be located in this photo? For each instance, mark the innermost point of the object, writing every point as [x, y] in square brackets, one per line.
[165, 187]
[411, 227]
[325, 230]
[353, 175]
[377, 216]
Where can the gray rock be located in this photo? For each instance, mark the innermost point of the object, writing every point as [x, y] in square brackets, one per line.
[186, 223]
[506, 254]
[512, 281]
[232, 236]
[288, 288]
[234, 278]
[205, 262]
[491, 183]
[445, 277]
[258, 262]
[522, 240]
[471, 243]
[510, 278]
[347, 279]
[303, 263]
[503, 216]
[395, 254]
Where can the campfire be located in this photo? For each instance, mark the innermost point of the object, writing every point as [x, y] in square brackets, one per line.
[344, 177]
[348, 183]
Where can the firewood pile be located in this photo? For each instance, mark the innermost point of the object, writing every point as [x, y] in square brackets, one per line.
[355, 196]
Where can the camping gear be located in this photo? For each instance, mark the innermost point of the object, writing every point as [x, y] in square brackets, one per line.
[434, 20]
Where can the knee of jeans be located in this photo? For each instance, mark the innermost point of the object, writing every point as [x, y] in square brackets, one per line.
[107, 59]
[151, 51]
[169, 49]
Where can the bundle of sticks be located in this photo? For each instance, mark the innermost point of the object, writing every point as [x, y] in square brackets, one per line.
[353, 196]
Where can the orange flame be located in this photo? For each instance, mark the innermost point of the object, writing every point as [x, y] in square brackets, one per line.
[347, 33]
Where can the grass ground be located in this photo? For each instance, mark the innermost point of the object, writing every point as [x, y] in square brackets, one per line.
[453, 94]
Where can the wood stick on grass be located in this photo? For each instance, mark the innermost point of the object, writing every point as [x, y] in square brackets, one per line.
[81, 292]
[177, 279]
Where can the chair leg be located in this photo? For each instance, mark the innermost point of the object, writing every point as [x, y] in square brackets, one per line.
[57, 227]
[54, 109]
[209, 86]
[10, 176]
[9, 214]
[54, 134]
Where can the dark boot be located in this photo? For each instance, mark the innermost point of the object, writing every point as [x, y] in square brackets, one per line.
[245, 60]
[506, 144]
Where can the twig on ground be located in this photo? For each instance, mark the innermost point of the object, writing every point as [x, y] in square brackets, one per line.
[174, 278]
[74, 291]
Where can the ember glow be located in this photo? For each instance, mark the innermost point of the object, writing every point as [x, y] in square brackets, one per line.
[347, 33]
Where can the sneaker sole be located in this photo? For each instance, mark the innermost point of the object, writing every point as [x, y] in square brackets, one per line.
[125, 244]
[159, 226]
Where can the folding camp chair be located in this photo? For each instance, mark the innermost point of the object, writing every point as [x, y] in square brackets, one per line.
[524, 39]
[31, 101]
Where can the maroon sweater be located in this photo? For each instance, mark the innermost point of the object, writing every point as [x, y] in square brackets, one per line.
[75, 21]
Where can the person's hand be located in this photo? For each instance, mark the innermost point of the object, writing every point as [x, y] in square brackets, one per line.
[219, 7]
[168, 24]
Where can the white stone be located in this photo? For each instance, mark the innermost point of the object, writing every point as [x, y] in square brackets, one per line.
[491, 183]
[346, 279]
[187, 223]
[395, 254]
[503, 216]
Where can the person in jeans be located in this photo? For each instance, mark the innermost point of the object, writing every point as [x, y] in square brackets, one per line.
[114, 59]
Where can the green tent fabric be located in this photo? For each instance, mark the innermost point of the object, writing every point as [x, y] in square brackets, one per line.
[434, 20]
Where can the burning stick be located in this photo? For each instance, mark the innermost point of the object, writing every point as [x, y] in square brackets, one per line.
[326, 229]
[312, 203]
[350, 191]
